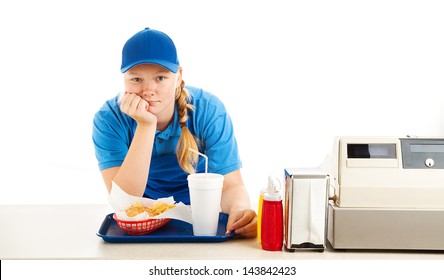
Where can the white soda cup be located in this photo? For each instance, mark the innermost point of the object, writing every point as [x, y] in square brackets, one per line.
[205, 196]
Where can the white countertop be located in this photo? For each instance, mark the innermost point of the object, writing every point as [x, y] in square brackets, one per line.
[69, 232]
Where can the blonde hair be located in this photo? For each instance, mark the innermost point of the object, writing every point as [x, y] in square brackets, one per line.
[187, 159]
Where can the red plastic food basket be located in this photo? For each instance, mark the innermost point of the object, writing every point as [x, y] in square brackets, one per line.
[142, 226]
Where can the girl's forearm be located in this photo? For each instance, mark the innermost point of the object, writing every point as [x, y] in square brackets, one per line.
[133, 174]
[235, 199]
[234, 193]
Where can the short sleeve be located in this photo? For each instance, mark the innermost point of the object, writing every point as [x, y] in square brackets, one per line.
[111, 135]
[215, 130]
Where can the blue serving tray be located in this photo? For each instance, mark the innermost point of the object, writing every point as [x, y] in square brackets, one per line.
[173, 231]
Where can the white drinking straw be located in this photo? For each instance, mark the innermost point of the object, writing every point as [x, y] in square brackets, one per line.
[206, 159]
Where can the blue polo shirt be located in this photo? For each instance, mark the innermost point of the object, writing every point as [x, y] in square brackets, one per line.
[209, 122]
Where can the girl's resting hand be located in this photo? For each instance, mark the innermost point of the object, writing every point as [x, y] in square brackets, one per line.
[243, 222]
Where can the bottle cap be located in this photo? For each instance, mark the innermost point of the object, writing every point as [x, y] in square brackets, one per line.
[273, 185]
[272, 197]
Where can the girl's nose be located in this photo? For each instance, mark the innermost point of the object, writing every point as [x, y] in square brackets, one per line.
[148, 89]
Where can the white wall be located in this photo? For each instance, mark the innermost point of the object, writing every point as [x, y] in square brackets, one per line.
[293, 76]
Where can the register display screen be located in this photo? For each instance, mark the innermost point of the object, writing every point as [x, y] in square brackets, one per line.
[425, 148]
[371, 150]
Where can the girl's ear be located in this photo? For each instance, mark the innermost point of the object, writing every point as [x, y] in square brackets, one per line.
[179, 76]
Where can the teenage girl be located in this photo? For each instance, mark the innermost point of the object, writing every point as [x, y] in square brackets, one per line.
[142, 136]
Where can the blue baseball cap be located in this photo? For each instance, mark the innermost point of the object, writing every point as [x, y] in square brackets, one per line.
[150, 46]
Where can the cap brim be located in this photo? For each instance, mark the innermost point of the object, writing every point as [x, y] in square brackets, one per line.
[168, 65]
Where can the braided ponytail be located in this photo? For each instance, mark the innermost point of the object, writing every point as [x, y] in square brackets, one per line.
[187, 159]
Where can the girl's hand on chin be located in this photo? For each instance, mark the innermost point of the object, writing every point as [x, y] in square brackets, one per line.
[137, 108]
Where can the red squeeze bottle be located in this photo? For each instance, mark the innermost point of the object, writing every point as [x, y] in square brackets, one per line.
[272, 225]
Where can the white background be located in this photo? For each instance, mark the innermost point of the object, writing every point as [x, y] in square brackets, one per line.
[293, 75]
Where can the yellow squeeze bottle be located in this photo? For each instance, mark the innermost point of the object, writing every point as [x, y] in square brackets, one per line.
[259, 216]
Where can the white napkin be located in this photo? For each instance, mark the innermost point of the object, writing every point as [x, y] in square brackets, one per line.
[120, 201]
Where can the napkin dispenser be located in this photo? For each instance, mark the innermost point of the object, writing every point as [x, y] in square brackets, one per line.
[305, 209]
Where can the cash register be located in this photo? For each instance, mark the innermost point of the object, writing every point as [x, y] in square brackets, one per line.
[388, 193]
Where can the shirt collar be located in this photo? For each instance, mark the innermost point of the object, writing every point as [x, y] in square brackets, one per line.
[173, 129]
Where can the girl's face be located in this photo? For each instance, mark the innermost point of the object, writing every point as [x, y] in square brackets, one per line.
[157, 85]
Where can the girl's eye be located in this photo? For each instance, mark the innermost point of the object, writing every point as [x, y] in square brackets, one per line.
[136, 80]
[160, 78]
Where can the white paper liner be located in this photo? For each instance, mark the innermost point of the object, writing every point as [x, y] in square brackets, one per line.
[121, 201]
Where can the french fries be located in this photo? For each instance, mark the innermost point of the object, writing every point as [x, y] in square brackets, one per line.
[154, 210]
